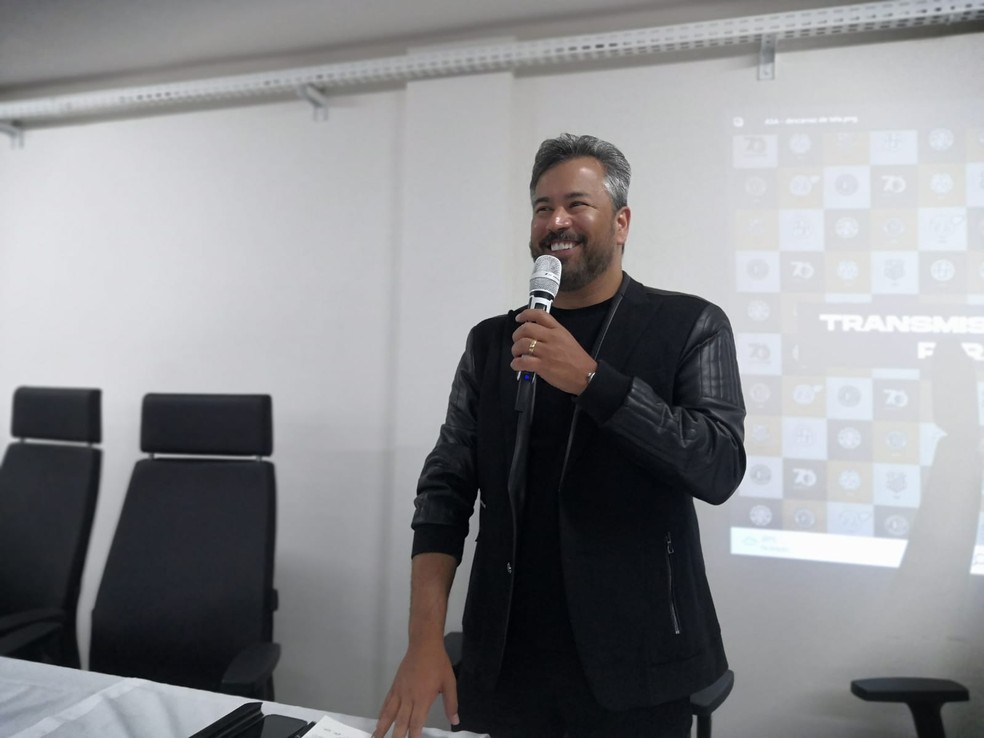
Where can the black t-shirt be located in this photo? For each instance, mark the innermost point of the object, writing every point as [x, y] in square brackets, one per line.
[539, 619]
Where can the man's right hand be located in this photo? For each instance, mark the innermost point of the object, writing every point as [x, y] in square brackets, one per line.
[424, 673]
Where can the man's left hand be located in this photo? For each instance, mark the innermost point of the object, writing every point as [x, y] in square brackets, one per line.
[556, 357]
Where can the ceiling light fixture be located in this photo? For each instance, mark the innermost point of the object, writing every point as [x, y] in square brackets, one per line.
[312, 83]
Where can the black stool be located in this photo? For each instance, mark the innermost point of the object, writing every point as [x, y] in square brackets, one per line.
[924, 697]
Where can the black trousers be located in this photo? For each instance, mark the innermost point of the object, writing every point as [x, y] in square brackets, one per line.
[547, 696]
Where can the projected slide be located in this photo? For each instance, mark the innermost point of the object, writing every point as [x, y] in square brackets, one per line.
[859, 271]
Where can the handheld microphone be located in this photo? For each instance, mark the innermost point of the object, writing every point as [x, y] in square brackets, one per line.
[544, 282]
[544, 285]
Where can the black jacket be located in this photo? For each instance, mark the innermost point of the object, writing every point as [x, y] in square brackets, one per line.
[640, 607]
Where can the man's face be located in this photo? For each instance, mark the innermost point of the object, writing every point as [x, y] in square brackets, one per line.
[573, 219]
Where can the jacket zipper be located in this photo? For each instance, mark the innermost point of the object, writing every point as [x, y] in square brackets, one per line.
[674, 615]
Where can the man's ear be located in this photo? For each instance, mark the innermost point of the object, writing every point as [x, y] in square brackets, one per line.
[622, 218]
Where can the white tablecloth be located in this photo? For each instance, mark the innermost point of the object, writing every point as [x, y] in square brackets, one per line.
[42, 701]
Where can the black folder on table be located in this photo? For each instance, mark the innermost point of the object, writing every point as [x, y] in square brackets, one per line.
[248, 721]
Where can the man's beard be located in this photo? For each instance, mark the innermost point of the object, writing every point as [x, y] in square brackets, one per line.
[593, 262]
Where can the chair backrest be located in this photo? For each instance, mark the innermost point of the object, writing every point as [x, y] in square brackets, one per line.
[48, 489]
[188, 582]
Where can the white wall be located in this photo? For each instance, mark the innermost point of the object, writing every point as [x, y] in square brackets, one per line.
[337, 265]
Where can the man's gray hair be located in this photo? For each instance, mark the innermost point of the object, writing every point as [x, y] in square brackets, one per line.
[567, 146]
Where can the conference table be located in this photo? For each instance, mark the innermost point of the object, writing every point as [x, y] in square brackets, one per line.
[44, 701]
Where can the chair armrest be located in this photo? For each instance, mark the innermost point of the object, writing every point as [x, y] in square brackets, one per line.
[909, 690]
[14, 642]
[17, 620]
[251, 670]
[708, 699]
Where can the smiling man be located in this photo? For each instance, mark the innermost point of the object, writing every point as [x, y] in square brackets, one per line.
[588, 612]
[576, 220]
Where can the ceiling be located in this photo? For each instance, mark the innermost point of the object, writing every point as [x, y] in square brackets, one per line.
[50, 47]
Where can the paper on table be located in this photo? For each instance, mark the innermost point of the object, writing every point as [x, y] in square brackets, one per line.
[326, 727]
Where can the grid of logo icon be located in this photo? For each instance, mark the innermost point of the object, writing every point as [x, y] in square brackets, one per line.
[859, 246]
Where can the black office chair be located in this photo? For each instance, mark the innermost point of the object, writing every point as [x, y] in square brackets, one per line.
[924, 697]
[49, 482]
[187, 594]
[702, 703]
[941, 541]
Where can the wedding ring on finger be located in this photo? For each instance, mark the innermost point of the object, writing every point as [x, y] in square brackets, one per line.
[532, 346]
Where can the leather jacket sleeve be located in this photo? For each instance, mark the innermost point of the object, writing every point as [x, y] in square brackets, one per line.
[448, 484]
[694, 439]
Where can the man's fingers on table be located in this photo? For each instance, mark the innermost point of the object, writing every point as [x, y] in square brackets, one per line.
[450, 696]
[404, 725]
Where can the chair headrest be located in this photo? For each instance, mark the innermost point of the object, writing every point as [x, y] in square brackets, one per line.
[57, 414]
[220, 425]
